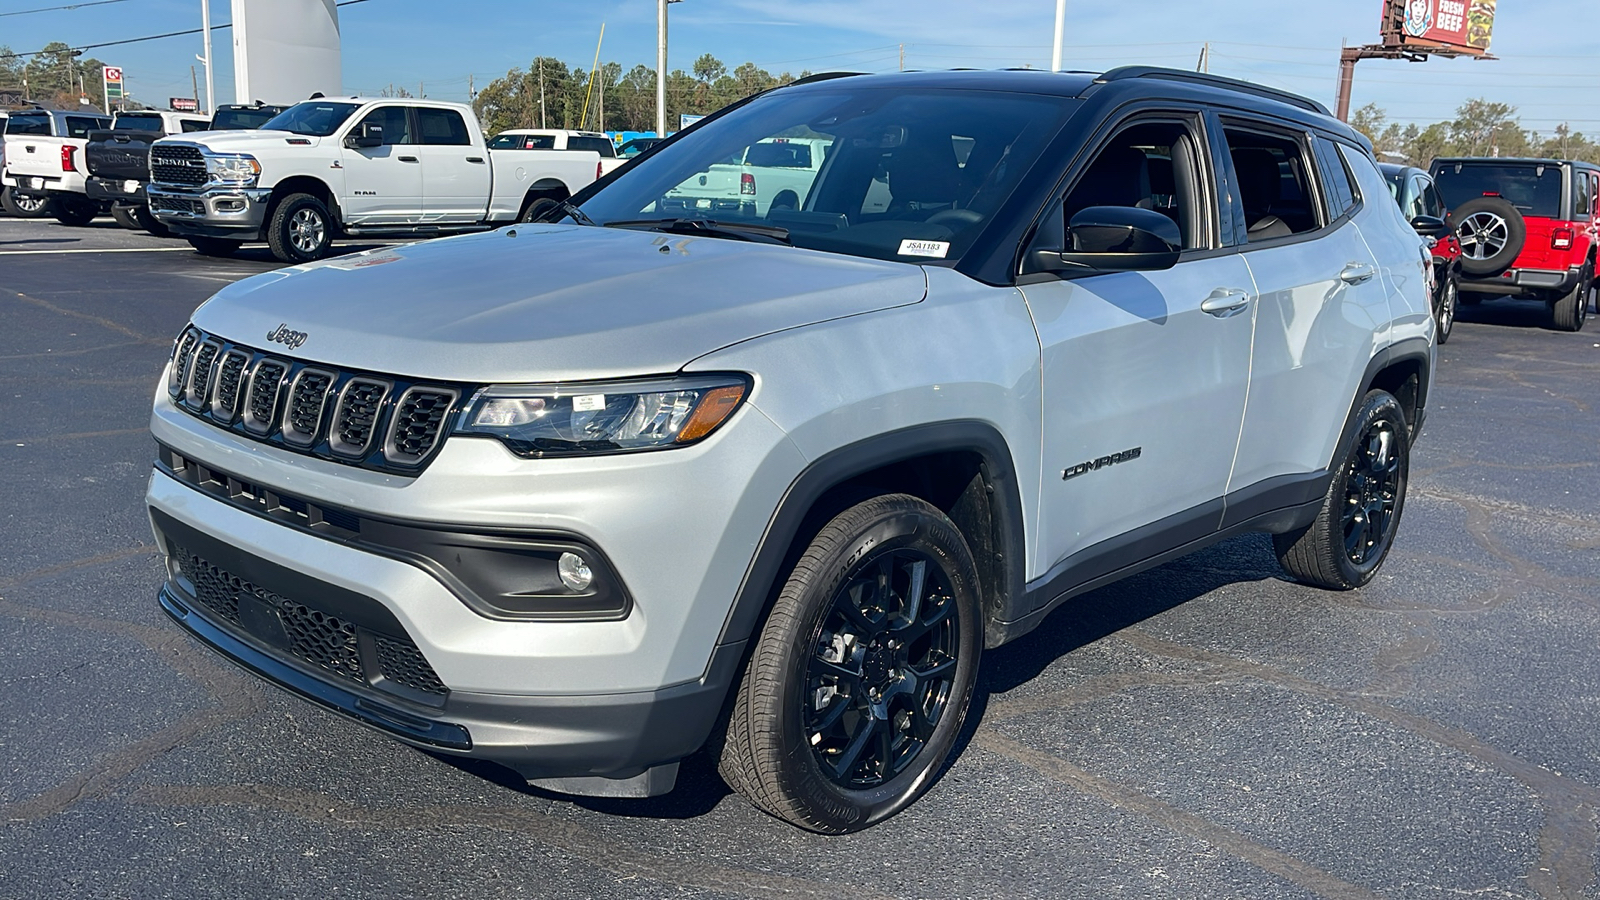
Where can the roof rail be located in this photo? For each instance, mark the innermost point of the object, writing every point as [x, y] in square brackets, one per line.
[1233, 84]
[821, 76]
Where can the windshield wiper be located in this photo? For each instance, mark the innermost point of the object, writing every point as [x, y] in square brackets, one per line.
[740, 231]
[577, 215]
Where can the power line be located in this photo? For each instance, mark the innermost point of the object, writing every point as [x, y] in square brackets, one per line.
[153, 37]
[23, 12]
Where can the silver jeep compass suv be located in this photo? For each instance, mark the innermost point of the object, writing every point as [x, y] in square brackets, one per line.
[586, 495]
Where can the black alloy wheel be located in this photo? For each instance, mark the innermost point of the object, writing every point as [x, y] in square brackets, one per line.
[1445, 316]
[1372, 493]
[882, 670]
[860, 679]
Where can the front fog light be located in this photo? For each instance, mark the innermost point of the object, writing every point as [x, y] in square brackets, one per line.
[575, 572]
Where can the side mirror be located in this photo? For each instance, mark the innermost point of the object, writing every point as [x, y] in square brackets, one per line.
[1115, 239]
[1429, 226]
[365, 137]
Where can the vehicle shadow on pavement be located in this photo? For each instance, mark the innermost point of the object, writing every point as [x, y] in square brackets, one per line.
[1507, 313]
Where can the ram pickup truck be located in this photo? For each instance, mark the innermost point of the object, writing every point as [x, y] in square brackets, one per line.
[353, 166]
[44, 163]
[773, 173]
[561, 139]
[241, 117]
[118, 161]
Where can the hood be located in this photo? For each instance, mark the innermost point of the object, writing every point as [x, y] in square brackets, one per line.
[224, 141]
[550, 302]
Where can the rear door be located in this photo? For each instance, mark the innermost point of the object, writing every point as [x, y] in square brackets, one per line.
[1322, 301]
[1144, 373]
[455, 172]
[383, 185]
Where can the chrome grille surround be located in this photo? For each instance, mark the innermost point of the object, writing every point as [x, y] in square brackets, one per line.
[356, 418]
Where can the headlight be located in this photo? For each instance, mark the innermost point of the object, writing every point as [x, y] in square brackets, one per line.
[603, 417]
[239, 168]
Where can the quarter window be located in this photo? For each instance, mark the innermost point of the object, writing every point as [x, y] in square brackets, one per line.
[443, 126]
[1583, 195]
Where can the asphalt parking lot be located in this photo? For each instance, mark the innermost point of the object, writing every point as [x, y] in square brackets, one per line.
[1206, 729]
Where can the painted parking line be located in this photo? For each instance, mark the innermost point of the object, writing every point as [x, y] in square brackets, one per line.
[107, 250]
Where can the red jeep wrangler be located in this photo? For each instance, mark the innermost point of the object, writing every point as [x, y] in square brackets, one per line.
[1528, 229]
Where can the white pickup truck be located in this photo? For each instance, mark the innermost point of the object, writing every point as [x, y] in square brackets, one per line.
[561, 139]
[44, 163]
[353, 166]
[775, 172]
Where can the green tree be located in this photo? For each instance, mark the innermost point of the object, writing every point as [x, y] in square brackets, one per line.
[1481, 125]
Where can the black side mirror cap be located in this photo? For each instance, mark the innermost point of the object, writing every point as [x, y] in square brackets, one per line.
[1429, 226]
[1115, 239]
[365, 137]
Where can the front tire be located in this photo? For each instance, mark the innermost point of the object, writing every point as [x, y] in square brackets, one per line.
[861, 678]
[148, 221]
[301, 229]
[1445, 315]
[1351, 536]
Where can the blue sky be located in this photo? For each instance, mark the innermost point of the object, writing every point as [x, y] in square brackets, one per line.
[1546, 47]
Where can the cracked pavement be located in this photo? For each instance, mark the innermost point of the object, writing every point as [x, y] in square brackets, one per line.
[1204, 729]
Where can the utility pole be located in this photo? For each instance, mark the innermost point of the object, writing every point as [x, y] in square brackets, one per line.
[1061, 32]
[472, 95]
[661, 67]
[902, 57]
[195, 86]
[1204, 65]
[541, 92]
[205, 28]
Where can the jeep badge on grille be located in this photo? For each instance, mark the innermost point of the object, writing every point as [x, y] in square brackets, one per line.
[282, 335]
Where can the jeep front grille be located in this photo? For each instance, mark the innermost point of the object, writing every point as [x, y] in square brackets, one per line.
[356, 418]
[177, 164]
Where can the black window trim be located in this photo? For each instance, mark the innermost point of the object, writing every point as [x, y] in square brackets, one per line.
[1301, 135]
[1146, 110]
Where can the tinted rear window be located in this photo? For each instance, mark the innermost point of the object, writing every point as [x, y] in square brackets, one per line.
[230, 119]
[138, 123]
[779, 156]
[1533, 190]
[523, 142]
[39, 125]
[602, 146]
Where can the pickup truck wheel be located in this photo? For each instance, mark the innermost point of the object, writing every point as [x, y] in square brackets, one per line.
[75, 211]
[861, 678]
[210, 246]
[301, 229]
[148, 221]
[1492, 233]
[1445, 315]
[1351, 536]
[535, 208]
[32, 206]
[1570, 311]
[123, 215]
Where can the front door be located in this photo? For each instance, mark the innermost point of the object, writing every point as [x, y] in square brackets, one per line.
[383, 185]
[1144, 373]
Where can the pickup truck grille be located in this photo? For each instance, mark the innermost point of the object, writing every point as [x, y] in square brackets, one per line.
[178, 165]
[357, 418]
[178, 204]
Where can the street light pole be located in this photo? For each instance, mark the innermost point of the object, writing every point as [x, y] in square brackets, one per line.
[205, 27]
[661, 68]
[1061, 28]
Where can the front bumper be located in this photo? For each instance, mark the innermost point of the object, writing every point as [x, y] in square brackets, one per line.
[114, 190]
[619, 743]
[1522, 282]
[227, 212]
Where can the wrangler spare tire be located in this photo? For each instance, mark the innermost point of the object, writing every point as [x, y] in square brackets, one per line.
[1492, 233]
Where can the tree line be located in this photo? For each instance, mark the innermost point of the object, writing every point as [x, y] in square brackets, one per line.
[551, 94]
[1480, 128]
[52, 77]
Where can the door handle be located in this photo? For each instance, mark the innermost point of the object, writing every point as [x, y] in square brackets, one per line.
[1357, 273]
[410, 159]
[475, 159]
[1225, 302]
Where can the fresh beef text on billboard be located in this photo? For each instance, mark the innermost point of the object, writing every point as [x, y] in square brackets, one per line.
[1462, 24]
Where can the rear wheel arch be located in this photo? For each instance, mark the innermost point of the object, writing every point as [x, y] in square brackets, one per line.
[1401, 370]
[544, 189]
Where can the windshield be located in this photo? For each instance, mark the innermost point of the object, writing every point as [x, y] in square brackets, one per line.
[245, 119]
[1535, 190]
[910, 175]
[39, 125]
[138, 123]
[318, 118]
[523, 142]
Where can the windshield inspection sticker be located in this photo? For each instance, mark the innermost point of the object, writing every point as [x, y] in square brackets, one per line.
[935, 249]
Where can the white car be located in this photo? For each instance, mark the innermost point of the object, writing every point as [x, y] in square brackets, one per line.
[773, 173]
[351, 165]
[560, 139]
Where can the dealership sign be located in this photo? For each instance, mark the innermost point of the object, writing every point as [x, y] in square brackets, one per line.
[1461, 25]
[113, 81]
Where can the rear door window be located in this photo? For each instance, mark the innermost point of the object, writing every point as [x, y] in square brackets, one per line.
[1535, 190]
[1274, 179]
[443, 126]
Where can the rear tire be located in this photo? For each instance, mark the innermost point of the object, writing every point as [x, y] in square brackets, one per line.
[123, 215]
[1445, 316]
[536, 208]
[1569, 312]
[74, 211]
[1351, 536]
[301, 229]
[29, 207]
[210, 246]
[861, 677]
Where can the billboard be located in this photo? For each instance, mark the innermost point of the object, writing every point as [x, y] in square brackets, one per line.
[1453, 26]
[285, 50]
[112, 75]
[182, 104]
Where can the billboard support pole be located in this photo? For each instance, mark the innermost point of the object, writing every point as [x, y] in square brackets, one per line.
[1061, 28]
